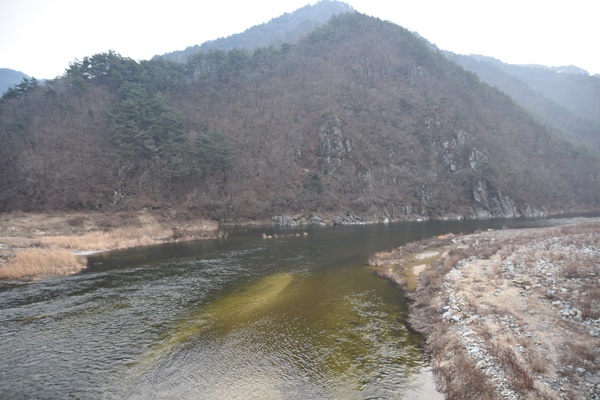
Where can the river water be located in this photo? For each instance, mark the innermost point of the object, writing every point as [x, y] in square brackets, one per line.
[297, 317]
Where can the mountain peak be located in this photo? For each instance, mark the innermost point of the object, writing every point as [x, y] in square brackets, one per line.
[287, 28]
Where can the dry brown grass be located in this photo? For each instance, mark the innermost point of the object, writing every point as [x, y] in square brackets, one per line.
[66, 233]
[519, 375]
[36, 262]
[572, 269]
[584, 228]
[532, 357]
[589, 303]
[116, 238]
[432, 278]
[578, 355]
[488, 251]
[457, 374]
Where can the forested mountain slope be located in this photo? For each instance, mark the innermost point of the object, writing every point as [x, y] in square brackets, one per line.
[360, 116]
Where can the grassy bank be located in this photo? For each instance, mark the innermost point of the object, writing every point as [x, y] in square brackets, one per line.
[38, 245]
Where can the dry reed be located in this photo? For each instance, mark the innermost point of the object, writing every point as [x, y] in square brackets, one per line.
[36, 262]
[116, 238]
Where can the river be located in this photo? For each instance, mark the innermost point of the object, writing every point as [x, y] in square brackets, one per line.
[297, 317]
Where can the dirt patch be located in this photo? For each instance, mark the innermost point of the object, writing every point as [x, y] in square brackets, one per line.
[404, 264]
[36, 245]
[512, 314]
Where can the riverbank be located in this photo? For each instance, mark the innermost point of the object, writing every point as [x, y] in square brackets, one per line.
[37, 245]
[508, 314]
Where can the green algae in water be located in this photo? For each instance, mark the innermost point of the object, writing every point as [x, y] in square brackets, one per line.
[334, 326]
[337, 330]
[214, 319]
[242, 306]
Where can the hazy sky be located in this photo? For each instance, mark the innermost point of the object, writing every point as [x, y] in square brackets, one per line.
[41, 37]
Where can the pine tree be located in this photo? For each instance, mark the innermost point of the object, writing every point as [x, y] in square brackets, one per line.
[212, 154]
[143, 126]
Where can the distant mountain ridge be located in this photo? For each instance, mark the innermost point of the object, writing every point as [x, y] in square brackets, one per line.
[10, 77]
[561, 69]
[565, 98]
[287, 28]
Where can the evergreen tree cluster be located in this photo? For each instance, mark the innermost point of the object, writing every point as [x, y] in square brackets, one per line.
[21, 89]
[144, 128]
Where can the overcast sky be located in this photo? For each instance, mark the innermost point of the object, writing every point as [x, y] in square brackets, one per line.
[41, 37]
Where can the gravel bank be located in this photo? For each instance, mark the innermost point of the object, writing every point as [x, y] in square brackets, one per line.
[509, 314]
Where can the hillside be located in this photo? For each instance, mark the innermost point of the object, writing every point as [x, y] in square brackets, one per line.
[579, 93]
[358, 118]
[9, 77]
[287, 28]
[566, 99]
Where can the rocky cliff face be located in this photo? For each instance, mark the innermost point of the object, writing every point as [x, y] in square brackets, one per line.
[492, 203]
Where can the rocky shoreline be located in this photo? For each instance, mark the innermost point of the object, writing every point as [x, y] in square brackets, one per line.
[312, 219]
[508, 314]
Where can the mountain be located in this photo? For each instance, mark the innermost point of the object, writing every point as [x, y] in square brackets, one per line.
[564, 98]
[359, 117]
[287, 28]
[10, 77]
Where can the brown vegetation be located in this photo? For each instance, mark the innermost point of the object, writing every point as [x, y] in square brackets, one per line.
[35, 262]
[37, 245]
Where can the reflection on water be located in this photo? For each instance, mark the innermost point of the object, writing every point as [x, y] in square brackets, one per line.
[298, 317]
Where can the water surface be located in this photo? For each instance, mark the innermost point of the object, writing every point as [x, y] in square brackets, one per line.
[298, 317]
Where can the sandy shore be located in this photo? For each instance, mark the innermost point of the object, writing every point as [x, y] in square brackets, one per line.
[508, 314]
[37, 245]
